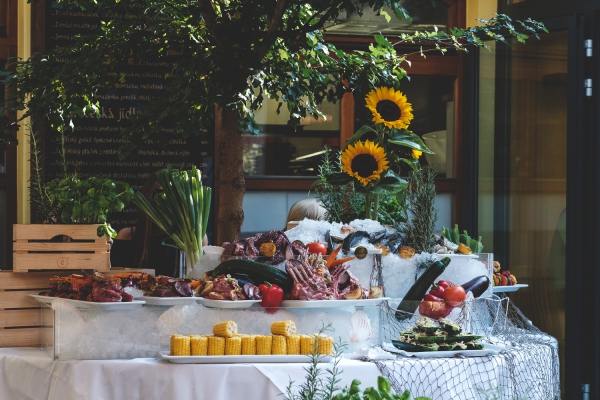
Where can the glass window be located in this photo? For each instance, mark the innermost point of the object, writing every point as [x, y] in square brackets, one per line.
[425, 15]
[281, 150]
[524, 181]
[432, 99]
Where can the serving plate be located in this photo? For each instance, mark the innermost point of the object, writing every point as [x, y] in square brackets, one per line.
[167, 301]
[506, 289]
[488, 349]
[226, 303]
[331, 303]
[247, 359]
[91, 305]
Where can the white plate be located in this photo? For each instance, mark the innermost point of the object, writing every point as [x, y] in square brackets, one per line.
[248, 359]
[331, 303]
[512, 288]
[487, 350]
[167, 301]
[226, 303]
[91, 305]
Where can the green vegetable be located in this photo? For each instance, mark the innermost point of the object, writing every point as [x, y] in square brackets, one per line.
[181, 210]
[450, 326]
[256, 272]
[417, 291]
[464, 238]
[383, 391]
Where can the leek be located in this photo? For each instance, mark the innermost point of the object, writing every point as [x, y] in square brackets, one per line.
[181, 210]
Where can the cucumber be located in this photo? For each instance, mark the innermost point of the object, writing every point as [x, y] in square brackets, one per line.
[413, 347]
[417, 291]
[256, 272]
[450, 326]
[419, 339]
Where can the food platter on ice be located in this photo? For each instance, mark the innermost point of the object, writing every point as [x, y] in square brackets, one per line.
[107, 306]
[332, 303]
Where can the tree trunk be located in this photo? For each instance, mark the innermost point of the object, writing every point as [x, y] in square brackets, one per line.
[230, 184]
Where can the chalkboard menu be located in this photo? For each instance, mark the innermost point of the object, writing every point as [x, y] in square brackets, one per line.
[93, 147]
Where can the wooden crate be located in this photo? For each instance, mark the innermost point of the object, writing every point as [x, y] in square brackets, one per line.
[34, 250]
[20, 319]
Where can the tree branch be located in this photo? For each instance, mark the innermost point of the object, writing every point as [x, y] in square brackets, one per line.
[210, 18]
[273, 28]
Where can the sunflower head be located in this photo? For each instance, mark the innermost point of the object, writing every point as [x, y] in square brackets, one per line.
[389, 107]
[364, 161]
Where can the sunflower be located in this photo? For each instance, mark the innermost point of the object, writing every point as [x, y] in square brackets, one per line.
[365, 161]
[416, 153]
[389, 107]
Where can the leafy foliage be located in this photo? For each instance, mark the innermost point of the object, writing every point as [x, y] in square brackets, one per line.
[228, 54]
[382, 391]
[420, 229]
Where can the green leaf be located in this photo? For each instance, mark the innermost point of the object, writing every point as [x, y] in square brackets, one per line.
[359, 133]
[339, 178]
[383, 384]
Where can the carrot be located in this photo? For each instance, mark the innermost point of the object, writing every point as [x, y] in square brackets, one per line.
[333, 255]
[194, 284]
[340, 261]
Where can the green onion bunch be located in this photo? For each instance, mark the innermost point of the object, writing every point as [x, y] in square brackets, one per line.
[181, 209]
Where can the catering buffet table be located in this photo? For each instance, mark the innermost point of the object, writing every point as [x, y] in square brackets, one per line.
[28, 373]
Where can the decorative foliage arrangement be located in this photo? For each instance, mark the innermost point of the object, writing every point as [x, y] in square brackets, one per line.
[420, 229]
[372, 158]
[68, 199]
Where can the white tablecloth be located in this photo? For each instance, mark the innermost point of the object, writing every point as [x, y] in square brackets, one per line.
[29, 374]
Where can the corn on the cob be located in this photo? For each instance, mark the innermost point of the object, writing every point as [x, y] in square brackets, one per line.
[284, 328]
[264, 344]
[172, 343]
[307, 344]
[279, 345]
[216, 346]
[325, 344]
[293, 344]
[233, 346]
[225, 329]
[248, 344]
[199, 345]
[181, 345]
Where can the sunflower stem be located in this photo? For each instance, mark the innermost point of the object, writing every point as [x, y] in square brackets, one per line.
[368, 198]
[374, 213]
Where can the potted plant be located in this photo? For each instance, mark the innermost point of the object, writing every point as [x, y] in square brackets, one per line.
[74, 233]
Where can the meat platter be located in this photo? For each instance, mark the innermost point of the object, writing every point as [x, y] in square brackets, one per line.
[332, 303]
[91, 305]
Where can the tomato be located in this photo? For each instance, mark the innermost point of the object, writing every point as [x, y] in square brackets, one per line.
[317, 248]
[455, 295]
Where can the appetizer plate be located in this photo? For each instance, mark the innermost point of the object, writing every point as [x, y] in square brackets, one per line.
[167, 301]
[488, 349]
[512, 288]
[248, 359]
[331, 303]
[91, 305]
[226, 303]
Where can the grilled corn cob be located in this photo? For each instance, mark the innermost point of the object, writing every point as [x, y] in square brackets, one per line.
[180, 345]
[307, 344]
[279, 345]
[248, 344]
[233, 346]
[264, 344]
[225, 329]
[284, 328]
[199, 345]
[293, 344]
[325, 344]
[216, 346]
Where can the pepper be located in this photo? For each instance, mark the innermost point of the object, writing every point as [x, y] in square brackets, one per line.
[272, 296]
[437, 290]
[430, 297]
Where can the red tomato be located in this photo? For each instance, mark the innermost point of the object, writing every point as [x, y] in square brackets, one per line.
[455, 295]
[317, 248]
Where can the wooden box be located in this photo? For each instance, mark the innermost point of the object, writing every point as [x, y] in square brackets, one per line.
[20, 319]
[35, 249]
